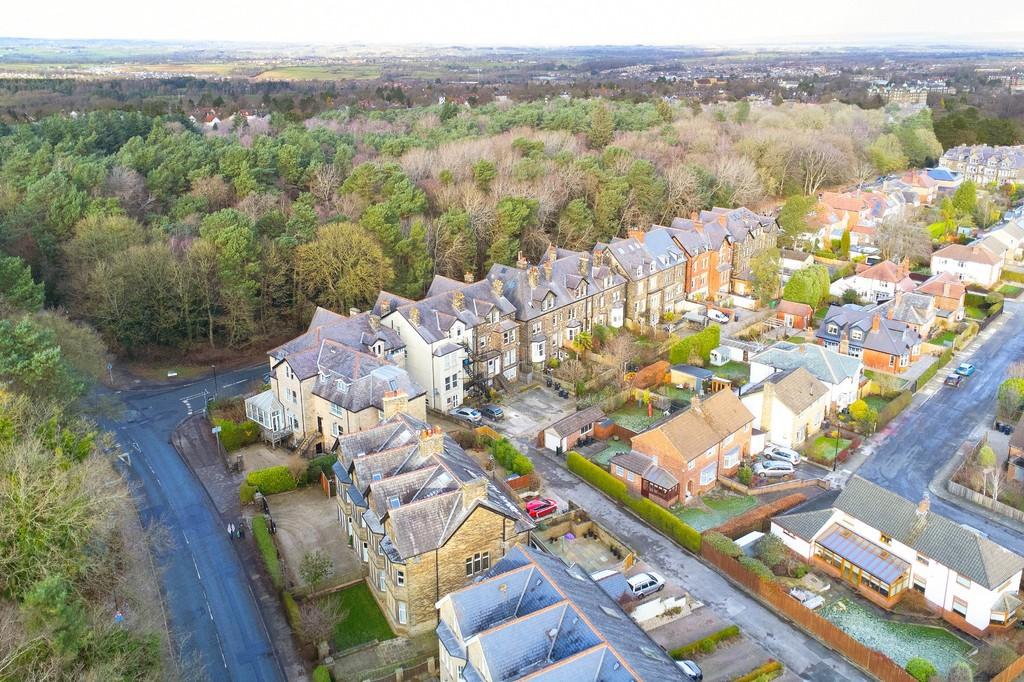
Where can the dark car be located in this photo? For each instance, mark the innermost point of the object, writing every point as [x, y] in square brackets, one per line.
[954, 380]
[492, 412]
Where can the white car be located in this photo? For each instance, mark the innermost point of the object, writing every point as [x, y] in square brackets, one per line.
[771, 468]
[643, 584]
[718, 316]
[782, 454]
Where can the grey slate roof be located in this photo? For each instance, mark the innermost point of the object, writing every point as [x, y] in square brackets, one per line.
[893, 337]
[796, 388]
[827, 365]
[932, 535]
[356, 381]
[440, 310]
[741, 223]
[912, 308]
[360, 332]
[637, 462]
[531, 615]
[577, 420]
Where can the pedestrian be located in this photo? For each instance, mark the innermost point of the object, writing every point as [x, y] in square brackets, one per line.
[231, 529]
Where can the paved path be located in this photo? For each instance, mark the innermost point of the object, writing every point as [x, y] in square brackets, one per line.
[213, 611]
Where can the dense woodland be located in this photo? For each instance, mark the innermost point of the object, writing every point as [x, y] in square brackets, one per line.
[161, 235]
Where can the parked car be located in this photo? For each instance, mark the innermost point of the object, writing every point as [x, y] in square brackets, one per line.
[771, 468]
[540, 507]
[782, 454]
[470, 414]
[718, 316]
[965, 369]
[954, 380]
[492, 412]
[691, 670]
[643, 584]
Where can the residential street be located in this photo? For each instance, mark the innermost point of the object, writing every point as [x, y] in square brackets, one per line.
[917, 444]
[214, 617]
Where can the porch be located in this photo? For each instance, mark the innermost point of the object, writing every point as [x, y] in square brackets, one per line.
[267, 411]
[871, 569]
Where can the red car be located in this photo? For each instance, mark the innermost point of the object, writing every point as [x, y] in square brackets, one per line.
[540, 507]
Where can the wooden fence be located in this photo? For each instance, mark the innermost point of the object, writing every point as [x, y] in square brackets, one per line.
[775, 596]
[1011, 672]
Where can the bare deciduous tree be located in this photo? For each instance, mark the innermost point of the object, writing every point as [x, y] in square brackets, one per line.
[898, 239]
[129, 188]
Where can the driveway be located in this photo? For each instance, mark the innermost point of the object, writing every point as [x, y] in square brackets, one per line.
[529, 412]
[915, 446]
[308, 521]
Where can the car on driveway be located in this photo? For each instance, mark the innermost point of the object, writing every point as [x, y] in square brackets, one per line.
[643, 584]
[718, 316]
[691, 670]
[965, 369]
[469, 414]
[540, 507]
[771, 468]
[781, 454]
[492, 412]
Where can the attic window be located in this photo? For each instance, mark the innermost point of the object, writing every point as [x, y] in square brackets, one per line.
[394, 503]
[376, 476]
[393, 384]
[342, 385]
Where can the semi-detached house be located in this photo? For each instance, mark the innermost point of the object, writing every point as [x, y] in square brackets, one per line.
[872, 335]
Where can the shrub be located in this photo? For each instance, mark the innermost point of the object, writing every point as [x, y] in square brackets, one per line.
[766, 671]
[265, 544]
[291, 610]
[755, 519]
[800, 570]
[234, 435]
[996, 658]
[318, 465]
[756, 567]
[272, 480]
[921, 669]
[745, 475]
[321, 673]
[507, 456]
[699, 345]
[897, 405]
[961, 671]
[1012, 276]
[246, 493]
[771, 550]
[723, 544]
[315, 567]
[658, 517]
[705, 644]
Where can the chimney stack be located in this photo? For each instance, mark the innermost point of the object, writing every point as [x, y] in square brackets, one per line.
[458, 300]
[723, 219]
[533, 276]
[432, 441]
[945, 289]
[497, 287]
[548, 269]
[374, 322]
[394, 402]
[385, 307]
[904, 268]
[695, 404]
[352, 312]
[924, 506]
[584, 264]
[521, 261]
[414, 317]
[473, 491]
[467, 277]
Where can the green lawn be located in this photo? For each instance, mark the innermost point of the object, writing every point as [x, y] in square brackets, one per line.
[677, 394]
[877, 402]
[824, 448]
[360, 618]
[1010, 291]
[974, 312]
[722, 506]
[945, 338]
[796, 339]
[635, 417]
[737, 372]
[937, 230]
[614, 448]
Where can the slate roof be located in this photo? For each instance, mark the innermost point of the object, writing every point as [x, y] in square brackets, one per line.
[892, 336]
[531, 615]
[420, 497]
[644, 466]
[360, 332]
[449, 301]
[827, 365]
[792, 254]
[577, 420]
[356, 381]
[932, 535]
[797, 388]
[640, 258]
[741, 223]
[916, 309]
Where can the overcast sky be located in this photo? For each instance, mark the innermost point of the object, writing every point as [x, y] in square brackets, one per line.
[520, 22]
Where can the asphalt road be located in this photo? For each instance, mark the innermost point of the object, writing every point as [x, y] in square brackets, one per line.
[927, 435]
[214, 618]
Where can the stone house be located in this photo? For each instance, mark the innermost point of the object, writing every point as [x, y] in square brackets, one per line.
[950, 295]
[750, 235]
[789, 406]
[421, 515]
[709, 249]
[654, 266]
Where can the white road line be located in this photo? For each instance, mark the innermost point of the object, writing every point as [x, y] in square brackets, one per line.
[186, 537]
[198, 575]
[235, 383]
[209, 610]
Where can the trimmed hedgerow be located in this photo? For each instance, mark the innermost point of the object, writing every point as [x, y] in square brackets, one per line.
[705, 644]
[272, 480]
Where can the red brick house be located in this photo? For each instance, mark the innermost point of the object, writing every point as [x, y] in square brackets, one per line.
[794, 315]
[872, 335]
[709, 249]
[697, 445]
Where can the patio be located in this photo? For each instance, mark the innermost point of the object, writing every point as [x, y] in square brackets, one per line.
[577, 539]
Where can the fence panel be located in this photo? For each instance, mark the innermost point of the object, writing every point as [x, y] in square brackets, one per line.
[1011, 672]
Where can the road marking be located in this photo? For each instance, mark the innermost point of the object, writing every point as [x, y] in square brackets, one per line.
[209, 610]
[198, 575]
[186, 537]
[235, 383]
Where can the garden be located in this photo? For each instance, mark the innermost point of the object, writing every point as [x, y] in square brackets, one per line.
[823, 449]
[714, 509]
[736, 372]
[1010, 291]
[636, 418]
[359, 619]
[982, 306]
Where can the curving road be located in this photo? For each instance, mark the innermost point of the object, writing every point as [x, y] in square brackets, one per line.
[214, 618]
[923, 439]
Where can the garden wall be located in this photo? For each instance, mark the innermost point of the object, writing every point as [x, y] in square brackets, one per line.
[781, 486]
[775, 596]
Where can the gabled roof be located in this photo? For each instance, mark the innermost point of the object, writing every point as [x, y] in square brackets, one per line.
[892, 336]
[357, 381]
[932, 535]
[792, 308]
[693, 431]
[972, 254]
[577, 420]
[797, 389]
[533, 617]
[449, 301]
[359, 332]
[827, 365]
[943, 284]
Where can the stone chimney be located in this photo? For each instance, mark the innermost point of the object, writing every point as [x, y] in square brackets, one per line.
[584, 264]
[548, 269]
[432, 441]
[414, 317]
[876, 322]
[723, 219]
[636, 234]
[890, 312]
[904, 269]
[551, 253]
[598, 258]
[521, 261]
[533, 276]
[924, 506]
[374, 322]
[497, 287]
[697, 224]
[844, 343]
[385, 307]
[352, 312]
[458, 300]
[946, 286]
[474, 491]
[468, 277]
[394, 402]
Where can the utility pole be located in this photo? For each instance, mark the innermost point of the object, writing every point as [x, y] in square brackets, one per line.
[215, 389]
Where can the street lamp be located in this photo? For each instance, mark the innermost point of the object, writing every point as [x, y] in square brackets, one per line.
[215, 389]
[835, 457]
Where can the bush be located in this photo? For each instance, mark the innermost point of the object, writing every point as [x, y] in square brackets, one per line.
[705, 644]
[766, 671]
[771, 550]
[800, 570]
[996, 658]
[809, 285]
[943, 360]
[291, 610]
[696, 346]
[745, 475]
[272, 480]
[319, 465]
[234, 435]
[658, 517]
[756, 518]
[723, 544]
[321, 673]
[756, 567]
[246, 493]
[897, 405]
[1013, 276]
[507, 456]
[265, 544]
[961, 671]
[921, 669]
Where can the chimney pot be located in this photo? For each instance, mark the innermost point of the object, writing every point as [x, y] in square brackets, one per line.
[467, 277]
[925, 505]
[385, 307]
[533, 276]
[876, 322]
[521, 261]
[548, 269]
[497, 287]
[353, 311]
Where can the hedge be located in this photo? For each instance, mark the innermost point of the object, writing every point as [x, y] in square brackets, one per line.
[921, 669]
[701, 344]
[246, 493]
[268, 551]
[321, 673]
[762, 672]
[757, 567]
[705, 644]
[754, 519]
[655, 515]
[291, 610]
[317, 465]
[234, 435]
[723, 544]
[272, 480]
[895, 406]
[507, 456]
[943, 360]
[1013, 276]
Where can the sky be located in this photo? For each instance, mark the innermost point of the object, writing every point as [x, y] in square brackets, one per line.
[522, 22]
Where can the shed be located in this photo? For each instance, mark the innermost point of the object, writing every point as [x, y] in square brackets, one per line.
[562, 435]
[720, 356]
[794, 315]
[690, 377]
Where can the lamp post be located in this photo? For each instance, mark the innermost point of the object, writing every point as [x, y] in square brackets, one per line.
[835, 457]
[215, 389]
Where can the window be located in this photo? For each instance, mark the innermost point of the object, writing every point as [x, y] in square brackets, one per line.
[857, 335]
[336, 410]
[380, 547]
[630, 476]
[484, 341]
[963, 581]
[403, 618]
[833, 328]
[732, 458]
[960, 606]
[400, 577]
[295, 397]
[709, 473]
[480, 561]
[921, 560]
[536, 327]
[509, 336]
[366, 552]
[690, 465]
[382, 583]
[616, 296]
[336, 429]
[619, 470]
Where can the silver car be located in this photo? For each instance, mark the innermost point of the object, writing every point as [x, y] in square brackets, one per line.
[643, 584]
[782, 454]
[470, 414]
[771, 468]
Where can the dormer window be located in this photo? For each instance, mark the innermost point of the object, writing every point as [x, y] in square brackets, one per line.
[652, 268]
[394, 502]
[607, 281]
[857, 335]
[342, 385]
[833, 328]
[639, 271]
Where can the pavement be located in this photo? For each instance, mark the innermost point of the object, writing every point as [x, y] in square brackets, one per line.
[911, 454]
[214, 614]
